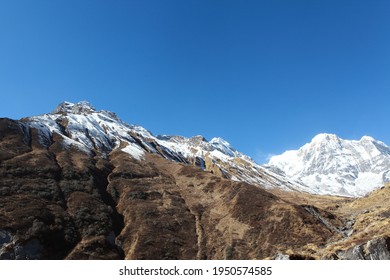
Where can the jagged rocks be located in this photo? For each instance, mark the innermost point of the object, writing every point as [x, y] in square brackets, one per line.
[82, 107]
[375, 249]
[5, 244]
[13, 249]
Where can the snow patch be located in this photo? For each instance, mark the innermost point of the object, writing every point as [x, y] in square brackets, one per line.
[134, 150]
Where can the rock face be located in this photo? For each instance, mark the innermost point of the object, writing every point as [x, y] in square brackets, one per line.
[331, 165]
[80, 184]
[375, 249]
[50, 198]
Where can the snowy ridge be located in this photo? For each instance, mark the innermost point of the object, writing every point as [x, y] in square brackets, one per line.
[331, 165]
[100, 132]
[83, 127]
[231, 163]
[326, 165]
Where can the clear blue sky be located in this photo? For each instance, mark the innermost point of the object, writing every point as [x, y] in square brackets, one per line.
[265, 75]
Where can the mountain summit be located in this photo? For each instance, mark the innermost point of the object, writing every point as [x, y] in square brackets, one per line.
[331, 165]
[78, 108]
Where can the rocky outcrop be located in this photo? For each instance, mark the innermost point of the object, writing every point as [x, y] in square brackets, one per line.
[212, 167]
[375, 249]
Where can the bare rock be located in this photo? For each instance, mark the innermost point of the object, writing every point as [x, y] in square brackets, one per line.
[375, 249]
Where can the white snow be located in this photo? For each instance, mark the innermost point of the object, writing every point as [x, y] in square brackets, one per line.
[289, 162]
[386, 176]
[331, 165]
[366, 182]
[134, 150]
[67, 142]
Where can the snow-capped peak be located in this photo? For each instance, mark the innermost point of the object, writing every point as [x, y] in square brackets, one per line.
[223, 146]
[325, 137]
[367, 138]
[220, 141]
[331, 165]
[77, 108]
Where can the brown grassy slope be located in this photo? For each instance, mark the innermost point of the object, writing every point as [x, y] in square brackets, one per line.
[370, 216]
[175, 211]
[360, 219]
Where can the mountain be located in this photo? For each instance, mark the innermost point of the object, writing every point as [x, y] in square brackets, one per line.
[78, 183]
[100, 132]
[331, 165]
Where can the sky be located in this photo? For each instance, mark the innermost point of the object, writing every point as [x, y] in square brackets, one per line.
[265, 75]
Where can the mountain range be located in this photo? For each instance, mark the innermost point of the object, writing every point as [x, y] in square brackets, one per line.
[326, 165]
[78, 183]
[100, 132]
